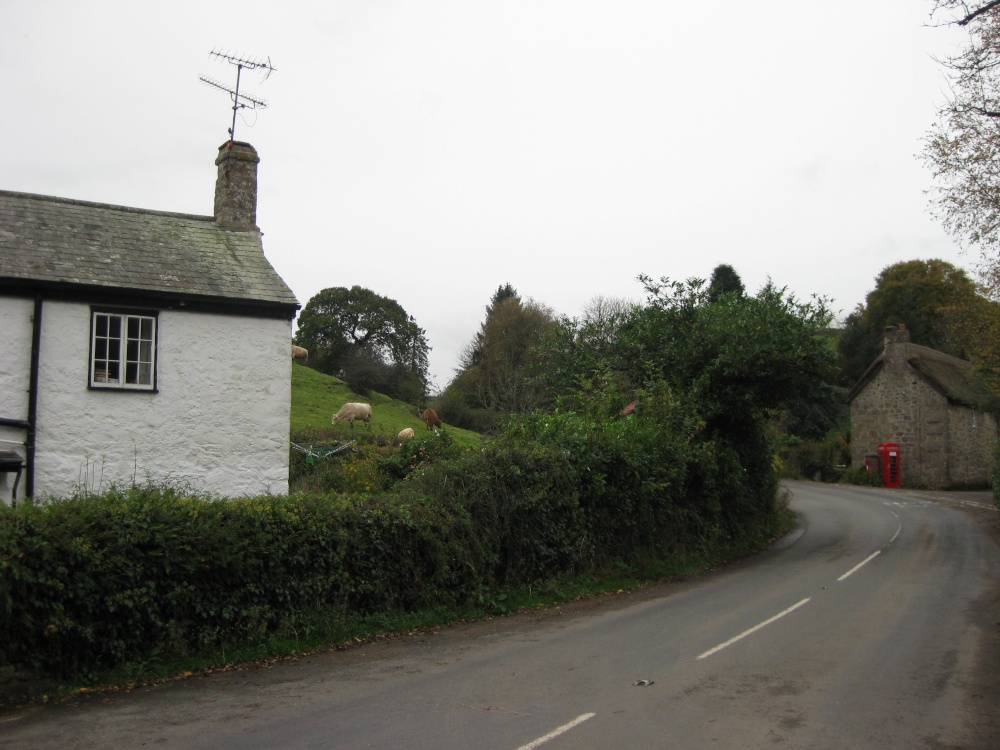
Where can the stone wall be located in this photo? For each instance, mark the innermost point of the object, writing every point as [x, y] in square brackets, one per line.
[972, 435]
[941, 444]
[900, 407]
[236, 186]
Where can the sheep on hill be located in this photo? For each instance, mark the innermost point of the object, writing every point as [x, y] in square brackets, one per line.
[354, 411]
[405, 434]
[300, 354]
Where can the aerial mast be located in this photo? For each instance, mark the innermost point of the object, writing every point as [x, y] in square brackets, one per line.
[240, 101]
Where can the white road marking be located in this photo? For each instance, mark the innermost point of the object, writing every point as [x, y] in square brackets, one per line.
[556, 732]
[861, 564]
[754, 629]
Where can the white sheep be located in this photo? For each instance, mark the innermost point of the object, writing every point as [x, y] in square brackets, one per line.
[353, 411]
[405, 434]
[300, 354]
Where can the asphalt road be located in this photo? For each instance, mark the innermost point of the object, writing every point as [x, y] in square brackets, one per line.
[873, 626]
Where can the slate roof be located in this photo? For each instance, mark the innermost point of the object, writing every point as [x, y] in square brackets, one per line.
[954, 378]
[52, 242]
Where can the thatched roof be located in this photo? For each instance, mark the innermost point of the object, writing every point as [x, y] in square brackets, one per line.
[954, 378]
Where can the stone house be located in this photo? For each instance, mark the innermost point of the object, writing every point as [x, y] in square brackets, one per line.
[930, 403]
[143, 345]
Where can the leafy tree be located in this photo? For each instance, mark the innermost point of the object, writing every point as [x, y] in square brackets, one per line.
[499, 374]
[924, 295]
[737, 357]
[585, 349]
[367, 340]
[736, 363]
[473, 352]
[980, 325]
[855, 347]
[724, 280]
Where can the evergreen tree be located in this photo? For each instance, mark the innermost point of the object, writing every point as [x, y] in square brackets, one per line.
[724, 280]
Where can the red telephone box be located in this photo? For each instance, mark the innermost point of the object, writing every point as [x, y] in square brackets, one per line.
[889, 464]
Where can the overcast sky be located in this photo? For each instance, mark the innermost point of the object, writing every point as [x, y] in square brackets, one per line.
[434, 150]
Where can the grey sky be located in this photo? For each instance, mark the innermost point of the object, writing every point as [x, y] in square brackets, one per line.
[432, 151]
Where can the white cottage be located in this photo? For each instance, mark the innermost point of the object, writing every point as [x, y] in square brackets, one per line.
[143, 345]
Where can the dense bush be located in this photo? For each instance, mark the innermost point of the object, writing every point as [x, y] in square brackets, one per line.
[688, 469]
[95, 582]
[861, 476]
[819, 460]
[423, 450]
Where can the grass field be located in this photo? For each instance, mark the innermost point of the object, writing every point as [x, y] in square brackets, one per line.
[317, 397]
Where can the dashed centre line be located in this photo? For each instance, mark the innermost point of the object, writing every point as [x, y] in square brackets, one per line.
[556, 732]
[754, 629]
[861, 564]
[791, 609]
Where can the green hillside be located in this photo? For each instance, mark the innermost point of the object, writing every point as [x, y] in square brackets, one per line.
[317, 397]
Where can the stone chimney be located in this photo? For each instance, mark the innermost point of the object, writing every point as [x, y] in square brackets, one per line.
[236, 186]
[897, 348]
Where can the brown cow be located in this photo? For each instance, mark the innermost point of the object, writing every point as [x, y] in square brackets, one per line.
[430, 418]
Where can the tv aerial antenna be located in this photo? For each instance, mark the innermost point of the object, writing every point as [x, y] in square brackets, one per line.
[240, 101]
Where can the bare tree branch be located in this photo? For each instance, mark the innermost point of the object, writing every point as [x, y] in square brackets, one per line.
[978, 12]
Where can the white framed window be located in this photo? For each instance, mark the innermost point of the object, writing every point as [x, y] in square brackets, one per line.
[122, 350]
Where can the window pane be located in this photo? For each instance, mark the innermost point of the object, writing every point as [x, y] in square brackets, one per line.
[123, 349]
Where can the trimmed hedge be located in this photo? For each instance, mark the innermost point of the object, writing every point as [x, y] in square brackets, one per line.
[149, 572]
[95, 582]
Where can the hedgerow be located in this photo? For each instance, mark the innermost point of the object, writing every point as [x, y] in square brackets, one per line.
[149, 572]
[96, 582]
[145, 573]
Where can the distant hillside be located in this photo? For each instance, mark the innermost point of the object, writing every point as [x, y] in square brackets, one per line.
[316, 398]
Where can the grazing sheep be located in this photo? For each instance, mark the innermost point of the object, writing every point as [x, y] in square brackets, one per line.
[405, 434]
[353, 411]
[431, 419]
[299, 354]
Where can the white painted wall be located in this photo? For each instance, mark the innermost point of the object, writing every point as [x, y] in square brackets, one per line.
[15, 361]
[218, 423]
